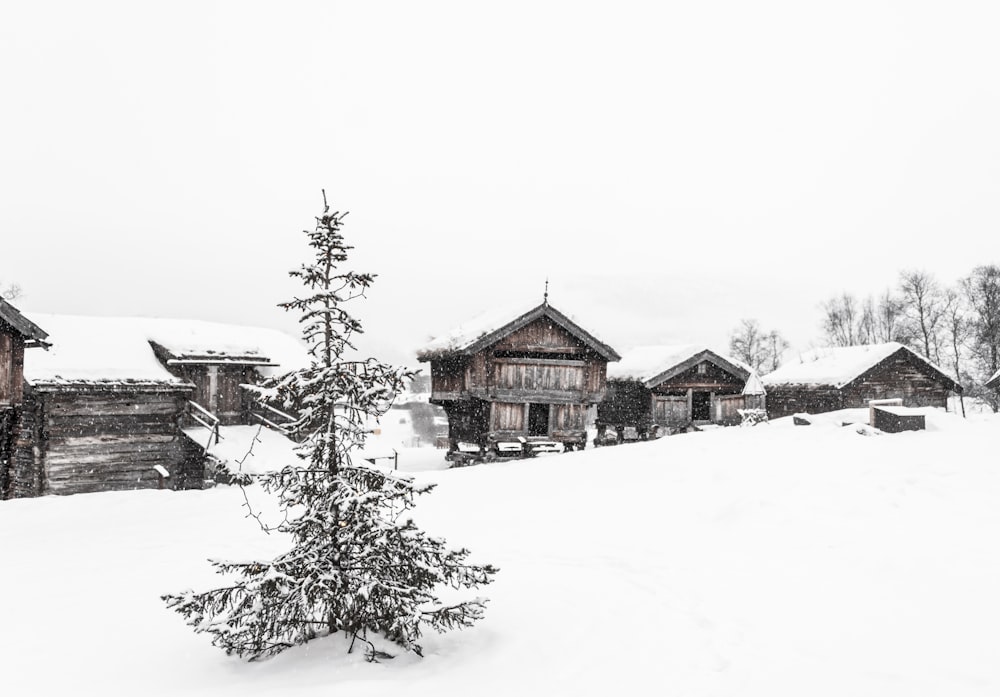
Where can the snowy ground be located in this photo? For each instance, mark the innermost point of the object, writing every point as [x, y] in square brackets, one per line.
[775, 560]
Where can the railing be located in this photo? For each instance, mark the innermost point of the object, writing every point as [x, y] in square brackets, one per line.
[283, 423]
[203, 417]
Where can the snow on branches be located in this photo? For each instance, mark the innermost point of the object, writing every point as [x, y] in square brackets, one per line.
[357, 564]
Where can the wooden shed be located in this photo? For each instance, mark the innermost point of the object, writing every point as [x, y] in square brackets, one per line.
[218, 359]
[849, 377]
[507, 379]
[658, 390]
[101, 412]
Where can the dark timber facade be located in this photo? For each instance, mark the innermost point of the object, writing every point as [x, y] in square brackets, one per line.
[902, 374]
[700, 388]
[534, 377]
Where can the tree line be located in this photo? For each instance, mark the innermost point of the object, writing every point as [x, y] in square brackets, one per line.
[955, 326]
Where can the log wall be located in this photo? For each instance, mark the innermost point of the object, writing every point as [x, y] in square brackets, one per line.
[87, 439]
[900, 376]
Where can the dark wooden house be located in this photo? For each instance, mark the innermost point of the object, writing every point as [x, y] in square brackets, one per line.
[507, 380]
[659, 390]
[101, 411]
[849, 377]
[16, 334]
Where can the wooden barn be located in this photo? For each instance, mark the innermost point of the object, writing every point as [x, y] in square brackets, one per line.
[517, 382]
[849, 377]
[101, 411]
[659, 390]
[16, 334]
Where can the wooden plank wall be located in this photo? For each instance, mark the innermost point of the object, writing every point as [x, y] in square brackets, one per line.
[105, 441]
[505, 416]
[789, 399]
[11, 368]
[539, 375]
[899, 376]
[671, 411]
[725, 409]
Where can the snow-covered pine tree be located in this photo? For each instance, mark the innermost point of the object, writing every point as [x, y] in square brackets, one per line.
[357, 564]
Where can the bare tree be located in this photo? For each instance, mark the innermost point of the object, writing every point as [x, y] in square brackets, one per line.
[955, 331]
[776, 347]
[761, 350]
[923, 303]
[11, 291]
[889, 324]
[840, 325]
[850, 322]
[982, 292]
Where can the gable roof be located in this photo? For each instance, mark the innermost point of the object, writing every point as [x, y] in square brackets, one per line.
[838, 366]
[490, 327]
[32, 333]
[117, 350]
[653, 365]
[994, 381]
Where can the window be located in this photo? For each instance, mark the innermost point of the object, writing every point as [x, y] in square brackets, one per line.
[702, 367]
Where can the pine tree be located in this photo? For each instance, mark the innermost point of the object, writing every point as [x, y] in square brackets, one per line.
[357, 564]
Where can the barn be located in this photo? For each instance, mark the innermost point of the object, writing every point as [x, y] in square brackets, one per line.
[516, 381]
[105, 408]
[849, 377]
[658, 390]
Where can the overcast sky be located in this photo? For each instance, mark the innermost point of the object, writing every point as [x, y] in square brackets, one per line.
[671, 167]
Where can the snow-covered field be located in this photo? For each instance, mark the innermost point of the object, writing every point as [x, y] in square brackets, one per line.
[774, 560]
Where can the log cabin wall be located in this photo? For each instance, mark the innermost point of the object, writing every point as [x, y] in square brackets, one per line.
[898, 376]
[87, 439]
[784, 400]
[26, 476]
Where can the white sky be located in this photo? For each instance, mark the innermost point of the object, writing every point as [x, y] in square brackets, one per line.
[672, 167]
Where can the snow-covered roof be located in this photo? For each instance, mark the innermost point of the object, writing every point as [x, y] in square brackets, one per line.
[652, 365]
[837, 366]
[117, 350]
[32, 333]
[493, 325]
[754, 384]
[195, 341]
[994, 381]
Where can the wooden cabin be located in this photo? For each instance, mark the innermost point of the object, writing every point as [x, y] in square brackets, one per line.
[849, 377]
[16, 334]
[101, 412]
[659, 390]
[219, 359]
[507, 380]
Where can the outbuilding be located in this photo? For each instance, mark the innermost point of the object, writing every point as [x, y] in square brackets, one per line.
[509, 379]
[103, 409]
[848, 377]
[658, 390]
